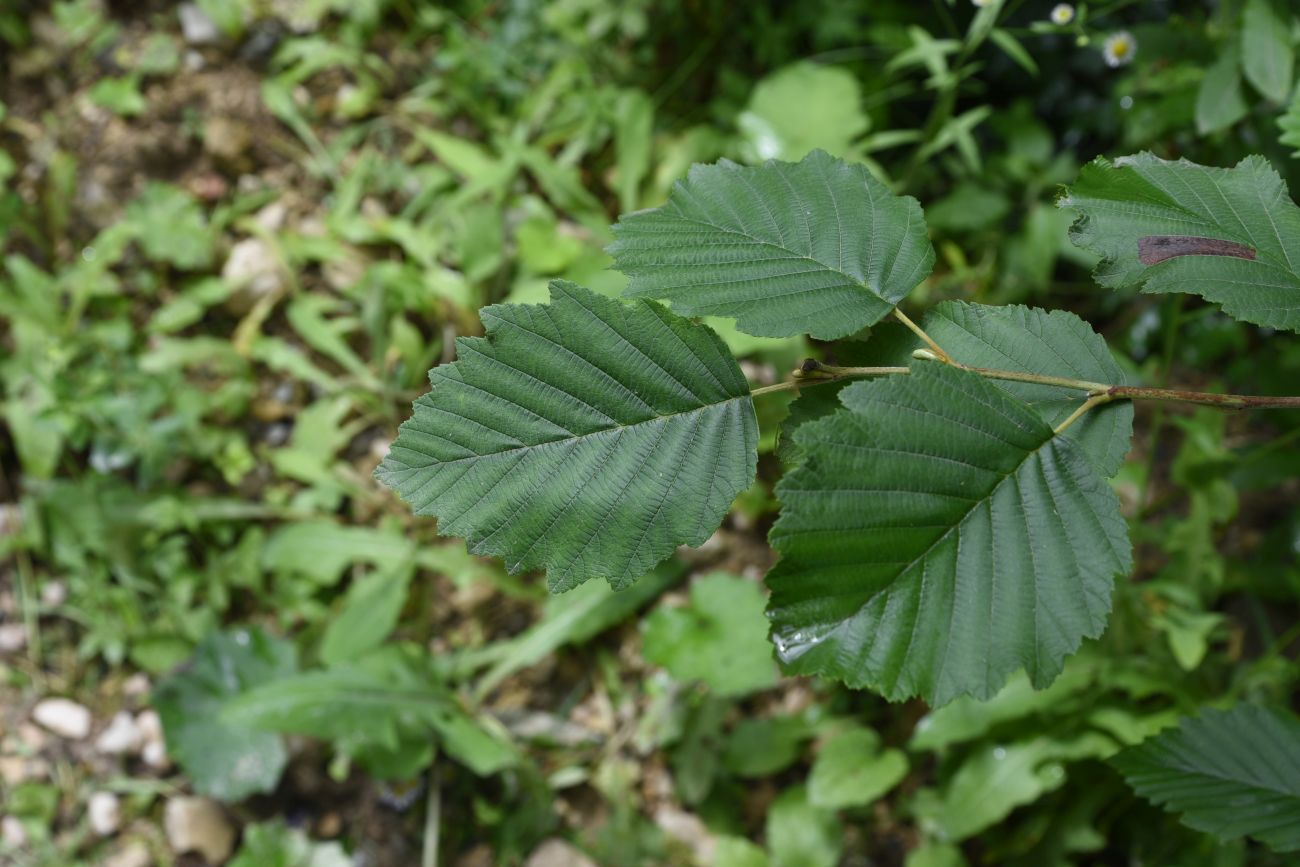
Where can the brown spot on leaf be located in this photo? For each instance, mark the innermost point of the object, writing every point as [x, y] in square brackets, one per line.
[1154, 249]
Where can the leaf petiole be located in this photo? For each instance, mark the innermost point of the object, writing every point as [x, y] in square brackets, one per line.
[920, 332]
[813, 372]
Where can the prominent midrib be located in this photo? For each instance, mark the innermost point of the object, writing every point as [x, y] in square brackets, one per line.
[794, 255]
[579, 437]
[975, 504]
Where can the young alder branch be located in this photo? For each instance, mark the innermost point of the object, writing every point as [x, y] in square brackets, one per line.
[813, 372]
[1094, 400]
[920, 332]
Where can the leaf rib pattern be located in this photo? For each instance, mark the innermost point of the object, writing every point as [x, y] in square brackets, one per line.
[1055, 343]
[1235, 232]
[1230, 773]
[936, 538]
[772, 247]
[587, 437]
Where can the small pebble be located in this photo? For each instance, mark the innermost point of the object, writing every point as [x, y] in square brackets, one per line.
[134, 854]
[54, 594]
[255, 268]
[105, 813]
[33, 737]
[150, 725]
[12, 832]
[155, 756]
[136, 686]
[13, 638]
[196, 26]
[63, 717]
[16, 770]
[121, 737]
[558, 853]
[198, 825]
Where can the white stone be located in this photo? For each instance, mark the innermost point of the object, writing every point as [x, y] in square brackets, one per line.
[154, 751]
[104, 811]
[54, 594]
[134, 854]
[557, 853]
[16, 770]
[136, 686]
[121, 737]
[13, 638]
[689, 829]
[196, 26]
[272, 217]
[12, 832]
[150, 725]
[155, 755]
[63, 717]
[253, 266]
[198, 825]
[32, 737]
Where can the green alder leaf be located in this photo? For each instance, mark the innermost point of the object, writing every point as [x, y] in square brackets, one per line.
[818, 247]
[1008, 337]
[1267, 56]
[937, 537]
[1055, 343]
[890, 344]
[720, 638]
[586, 436]
[1229, 773]
[227, 760]
[1231, 236]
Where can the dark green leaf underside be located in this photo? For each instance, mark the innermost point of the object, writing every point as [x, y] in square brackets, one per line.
[1234, 234]
[586, 436]
[1229, 773]
[818, 247]
[937, 537]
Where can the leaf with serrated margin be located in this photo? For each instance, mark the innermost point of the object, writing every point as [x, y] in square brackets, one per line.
[818, 247]
[1052, 343]
[938, 537]
[1230, 773]
[1231, 236]
[1008, 337]
[586, 436]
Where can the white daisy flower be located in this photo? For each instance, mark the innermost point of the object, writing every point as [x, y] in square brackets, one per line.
[1119, 48]
[1062, 14]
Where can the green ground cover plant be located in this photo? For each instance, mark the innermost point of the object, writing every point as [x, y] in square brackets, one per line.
[914, 472]
[949, 523]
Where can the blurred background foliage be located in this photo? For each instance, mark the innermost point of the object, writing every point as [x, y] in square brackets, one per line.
[237, 233]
